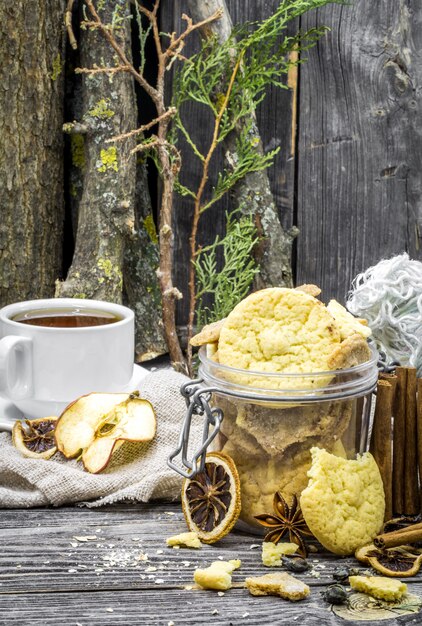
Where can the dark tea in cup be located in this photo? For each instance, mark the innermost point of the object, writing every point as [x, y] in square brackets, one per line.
[66, 318]
[55, 350]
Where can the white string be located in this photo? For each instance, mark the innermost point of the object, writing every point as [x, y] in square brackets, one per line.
[389, 296]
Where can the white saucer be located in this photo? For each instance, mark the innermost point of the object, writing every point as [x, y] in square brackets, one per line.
[9, 413]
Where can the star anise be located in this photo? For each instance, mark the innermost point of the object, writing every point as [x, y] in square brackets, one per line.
[286, 521]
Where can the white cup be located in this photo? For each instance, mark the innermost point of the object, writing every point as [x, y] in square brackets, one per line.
[43, 368]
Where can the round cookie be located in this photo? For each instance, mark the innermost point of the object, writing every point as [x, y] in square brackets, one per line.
[343, 504]
[278, 330]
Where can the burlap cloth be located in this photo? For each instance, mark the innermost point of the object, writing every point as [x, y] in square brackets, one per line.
[138, 471]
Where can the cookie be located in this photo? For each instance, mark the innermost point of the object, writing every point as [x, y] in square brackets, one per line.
[353, 351]
[278, 584]
[261, 477]
[343, 504]
[278, 330]
[275, 430]
[209, 334]
[348, 323]
[312, 290]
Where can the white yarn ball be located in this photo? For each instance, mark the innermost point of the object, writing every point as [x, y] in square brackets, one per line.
[389, 296]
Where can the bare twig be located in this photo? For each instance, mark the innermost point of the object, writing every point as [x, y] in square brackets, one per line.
[147, 145]
[68, 24]
[107, 33]
[171, 112]
[191, 27]
[168, 172]
[168, 156]
[102, 70]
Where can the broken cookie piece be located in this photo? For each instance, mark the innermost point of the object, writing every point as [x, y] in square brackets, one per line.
[217, 575]
[279, 584]
[209, 334]
[379, 587]
[311, 290]
[343, 504]
[352, 351]
[272, 552]
[348, 323]
[185, 540]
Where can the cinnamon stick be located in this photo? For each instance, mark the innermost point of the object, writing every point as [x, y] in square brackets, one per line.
[380, 446]
[419, 429]
[399, 441]
[411, 479]
[409, 535]
[392, 378]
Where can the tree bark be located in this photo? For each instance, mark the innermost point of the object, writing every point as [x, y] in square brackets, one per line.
[31, 169]
[253, 193]
[106, 210]
[141, 261]
[116, 254]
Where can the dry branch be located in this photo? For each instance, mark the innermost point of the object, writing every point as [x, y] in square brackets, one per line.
[168, 156]
[101, 70]
[68, 24]
[138, 131]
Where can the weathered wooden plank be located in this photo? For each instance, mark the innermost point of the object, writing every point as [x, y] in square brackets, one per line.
[360, 141]
[44, 579]
[275, 116]
[168, 606]
[40, 552]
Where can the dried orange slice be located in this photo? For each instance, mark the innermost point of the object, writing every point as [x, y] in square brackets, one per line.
[402, 561]
[211, 500]
[36, 440]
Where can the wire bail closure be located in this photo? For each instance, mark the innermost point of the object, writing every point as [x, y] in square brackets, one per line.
[197, 400]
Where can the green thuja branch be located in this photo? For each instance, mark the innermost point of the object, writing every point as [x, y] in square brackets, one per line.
[229, 79]
[143, 34]
[228, 286]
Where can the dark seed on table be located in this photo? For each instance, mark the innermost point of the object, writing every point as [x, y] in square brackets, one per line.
[295, 565]
[335, 594]
[341, 574]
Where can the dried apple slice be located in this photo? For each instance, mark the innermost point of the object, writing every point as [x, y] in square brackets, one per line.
[75, 429]
[97, 456]
[96, 425]
[131, 420]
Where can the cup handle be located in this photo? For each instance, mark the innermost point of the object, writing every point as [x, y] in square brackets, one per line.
[16, 367]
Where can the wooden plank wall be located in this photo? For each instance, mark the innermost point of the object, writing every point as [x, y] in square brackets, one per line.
[359, 155]
[353, 185]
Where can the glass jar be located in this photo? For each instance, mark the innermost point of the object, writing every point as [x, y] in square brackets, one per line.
[269, 422]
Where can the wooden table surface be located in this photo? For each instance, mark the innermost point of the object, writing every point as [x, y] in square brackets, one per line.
[81, 567]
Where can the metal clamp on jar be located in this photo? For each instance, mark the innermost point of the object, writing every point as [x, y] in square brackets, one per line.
[272, 420]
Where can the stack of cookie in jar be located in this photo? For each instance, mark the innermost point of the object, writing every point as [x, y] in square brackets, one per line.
[287, 365]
